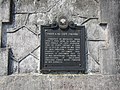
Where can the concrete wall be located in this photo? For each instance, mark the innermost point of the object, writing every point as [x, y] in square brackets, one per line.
[60, 82]
[20, 43]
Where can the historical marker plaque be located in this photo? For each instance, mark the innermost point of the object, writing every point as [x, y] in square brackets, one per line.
[62, 49]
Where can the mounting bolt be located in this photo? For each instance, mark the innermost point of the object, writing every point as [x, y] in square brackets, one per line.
[63, 23]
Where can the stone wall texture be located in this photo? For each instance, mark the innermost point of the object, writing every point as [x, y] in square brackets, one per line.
[20, 35]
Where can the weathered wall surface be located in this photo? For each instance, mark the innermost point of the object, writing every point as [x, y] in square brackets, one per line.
[110, 14]
[20, 22]
[60, 82]
[23, 35]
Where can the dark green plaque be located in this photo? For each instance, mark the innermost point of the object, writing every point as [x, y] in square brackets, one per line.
[63, 49]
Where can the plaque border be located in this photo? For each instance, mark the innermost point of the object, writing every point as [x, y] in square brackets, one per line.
[82, 51]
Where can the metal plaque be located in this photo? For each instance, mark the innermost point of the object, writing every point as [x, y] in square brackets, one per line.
[62, 47]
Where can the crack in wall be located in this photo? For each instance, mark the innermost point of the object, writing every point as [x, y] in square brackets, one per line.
[28, 54]
[97, 1]
[88, 19]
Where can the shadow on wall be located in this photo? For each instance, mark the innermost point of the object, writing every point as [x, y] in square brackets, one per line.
[7, 24]
[10, 61]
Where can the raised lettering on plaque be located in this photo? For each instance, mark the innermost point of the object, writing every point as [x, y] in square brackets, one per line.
[62, 46]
